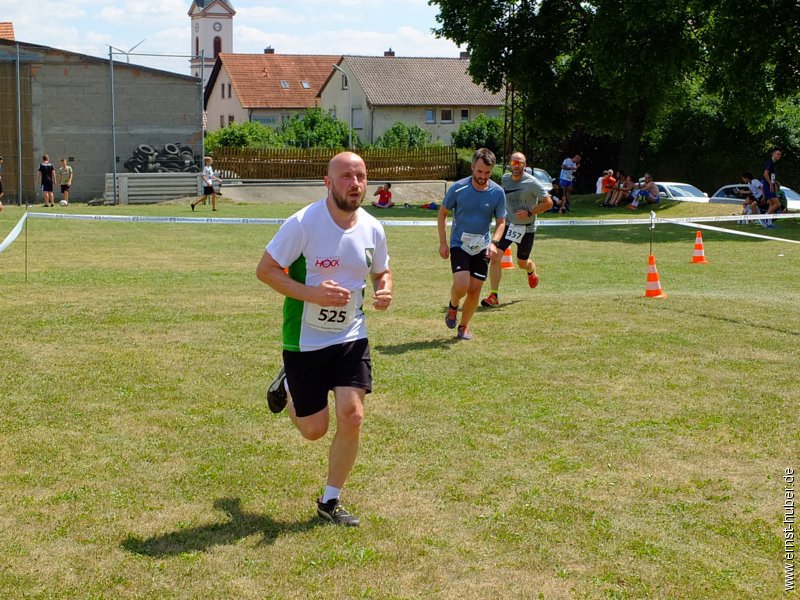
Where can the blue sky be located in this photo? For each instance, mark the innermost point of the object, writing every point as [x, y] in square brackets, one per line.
[366, 27]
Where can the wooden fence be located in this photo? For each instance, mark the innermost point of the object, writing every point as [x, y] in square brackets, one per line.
[438, 162]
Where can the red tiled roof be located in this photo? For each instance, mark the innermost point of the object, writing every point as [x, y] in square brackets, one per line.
[7, 31]
[257, 78]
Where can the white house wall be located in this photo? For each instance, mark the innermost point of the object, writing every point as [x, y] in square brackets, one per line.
[229, 106]
[385, 116]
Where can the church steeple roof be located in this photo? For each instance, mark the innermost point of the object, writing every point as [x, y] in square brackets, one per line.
[201, 4]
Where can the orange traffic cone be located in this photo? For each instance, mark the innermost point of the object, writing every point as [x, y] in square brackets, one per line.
[507, 262]
[653, 288]
[699, 255]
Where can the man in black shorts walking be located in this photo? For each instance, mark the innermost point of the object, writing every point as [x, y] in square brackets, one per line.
[329, 248]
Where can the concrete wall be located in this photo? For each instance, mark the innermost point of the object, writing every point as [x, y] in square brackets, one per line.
[70, 114]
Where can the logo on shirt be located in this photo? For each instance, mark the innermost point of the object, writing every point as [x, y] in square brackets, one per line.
[327, 262]
[369, 252]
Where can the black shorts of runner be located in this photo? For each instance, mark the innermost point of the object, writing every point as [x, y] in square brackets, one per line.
[1, 186]
[208, 190]
[47, 187]
[64, 188]
[476, 264]
[524, 246]
[311, 375]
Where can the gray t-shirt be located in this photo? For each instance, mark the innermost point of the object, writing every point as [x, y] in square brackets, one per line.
[524, 194]
[473, 210]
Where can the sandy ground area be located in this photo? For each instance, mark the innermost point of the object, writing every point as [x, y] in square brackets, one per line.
[413, 192]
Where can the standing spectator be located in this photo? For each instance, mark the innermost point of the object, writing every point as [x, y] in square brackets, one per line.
[1, 183]
[46, 177]
[474, 201]
[524, 200]
[65, 180]
[208, 184]
[384, 196]
[321, 259]
[567, 176]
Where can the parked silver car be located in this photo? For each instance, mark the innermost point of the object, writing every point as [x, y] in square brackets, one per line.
[680, 192]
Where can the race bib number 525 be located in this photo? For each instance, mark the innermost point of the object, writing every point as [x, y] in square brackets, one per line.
[331, 318]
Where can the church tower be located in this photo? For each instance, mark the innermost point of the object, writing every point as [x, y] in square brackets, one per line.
[212, 33]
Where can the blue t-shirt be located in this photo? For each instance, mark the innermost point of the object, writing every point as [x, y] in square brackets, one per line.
[473, 209]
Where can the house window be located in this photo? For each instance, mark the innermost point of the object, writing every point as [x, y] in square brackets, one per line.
[345, 83]
[305, 84]
[217, 46]
[284, 84]
[465, 114]
[222, 120]
[222, 89]
[447, 115]
[229, 90]
[358, 118]
[230, 119]
[197, 46]
[430, 115]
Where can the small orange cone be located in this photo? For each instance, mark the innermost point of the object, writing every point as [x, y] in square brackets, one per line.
[507, 262]
[699, 255]
[653, 288]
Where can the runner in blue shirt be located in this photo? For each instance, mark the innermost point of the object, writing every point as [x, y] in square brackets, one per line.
[474, 201]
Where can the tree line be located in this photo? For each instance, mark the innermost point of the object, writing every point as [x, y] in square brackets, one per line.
[699, 88]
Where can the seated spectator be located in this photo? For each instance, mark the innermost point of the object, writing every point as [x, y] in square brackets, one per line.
[560, 202]
[779, 193]
[384, 196]
[598, 186]
[622, 192]
[609, 183]
[754, 202]
[647, 192]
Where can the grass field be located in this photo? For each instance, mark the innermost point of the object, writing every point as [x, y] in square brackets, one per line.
[588, 443]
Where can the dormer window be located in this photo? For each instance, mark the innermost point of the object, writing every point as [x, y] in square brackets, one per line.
[305, 84]
[284, 84]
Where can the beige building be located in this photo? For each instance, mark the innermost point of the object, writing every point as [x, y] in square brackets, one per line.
[435, 93]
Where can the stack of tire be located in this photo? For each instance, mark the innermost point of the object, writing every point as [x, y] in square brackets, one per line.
[171, 158]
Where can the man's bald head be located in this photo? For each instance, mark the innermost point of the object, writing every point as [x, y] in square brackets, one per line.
[347, 180]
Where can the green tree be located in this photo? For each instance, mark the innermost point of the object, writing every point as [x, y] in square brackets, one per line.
[480, 132]
[248, 134]
[402, 136]
[315, 128]
[615, 67]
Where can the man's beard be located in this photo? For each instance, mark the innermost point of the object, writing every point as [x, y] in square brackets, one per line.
[344, 203]
[480, 181]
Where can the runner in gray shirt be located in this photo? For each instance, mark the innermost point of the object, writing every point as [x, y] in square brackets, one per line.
[525, 199]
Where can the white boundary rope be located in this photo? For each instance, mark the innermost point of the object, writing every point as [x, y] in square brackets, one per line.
[686, 222]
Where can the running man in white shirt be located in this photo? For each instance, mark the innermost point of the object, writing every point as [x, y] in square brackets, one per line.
[330, 248]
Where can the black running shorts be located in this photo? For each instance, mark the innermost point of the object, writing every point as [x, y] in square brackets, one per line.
[311, 375]
[477, 265]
